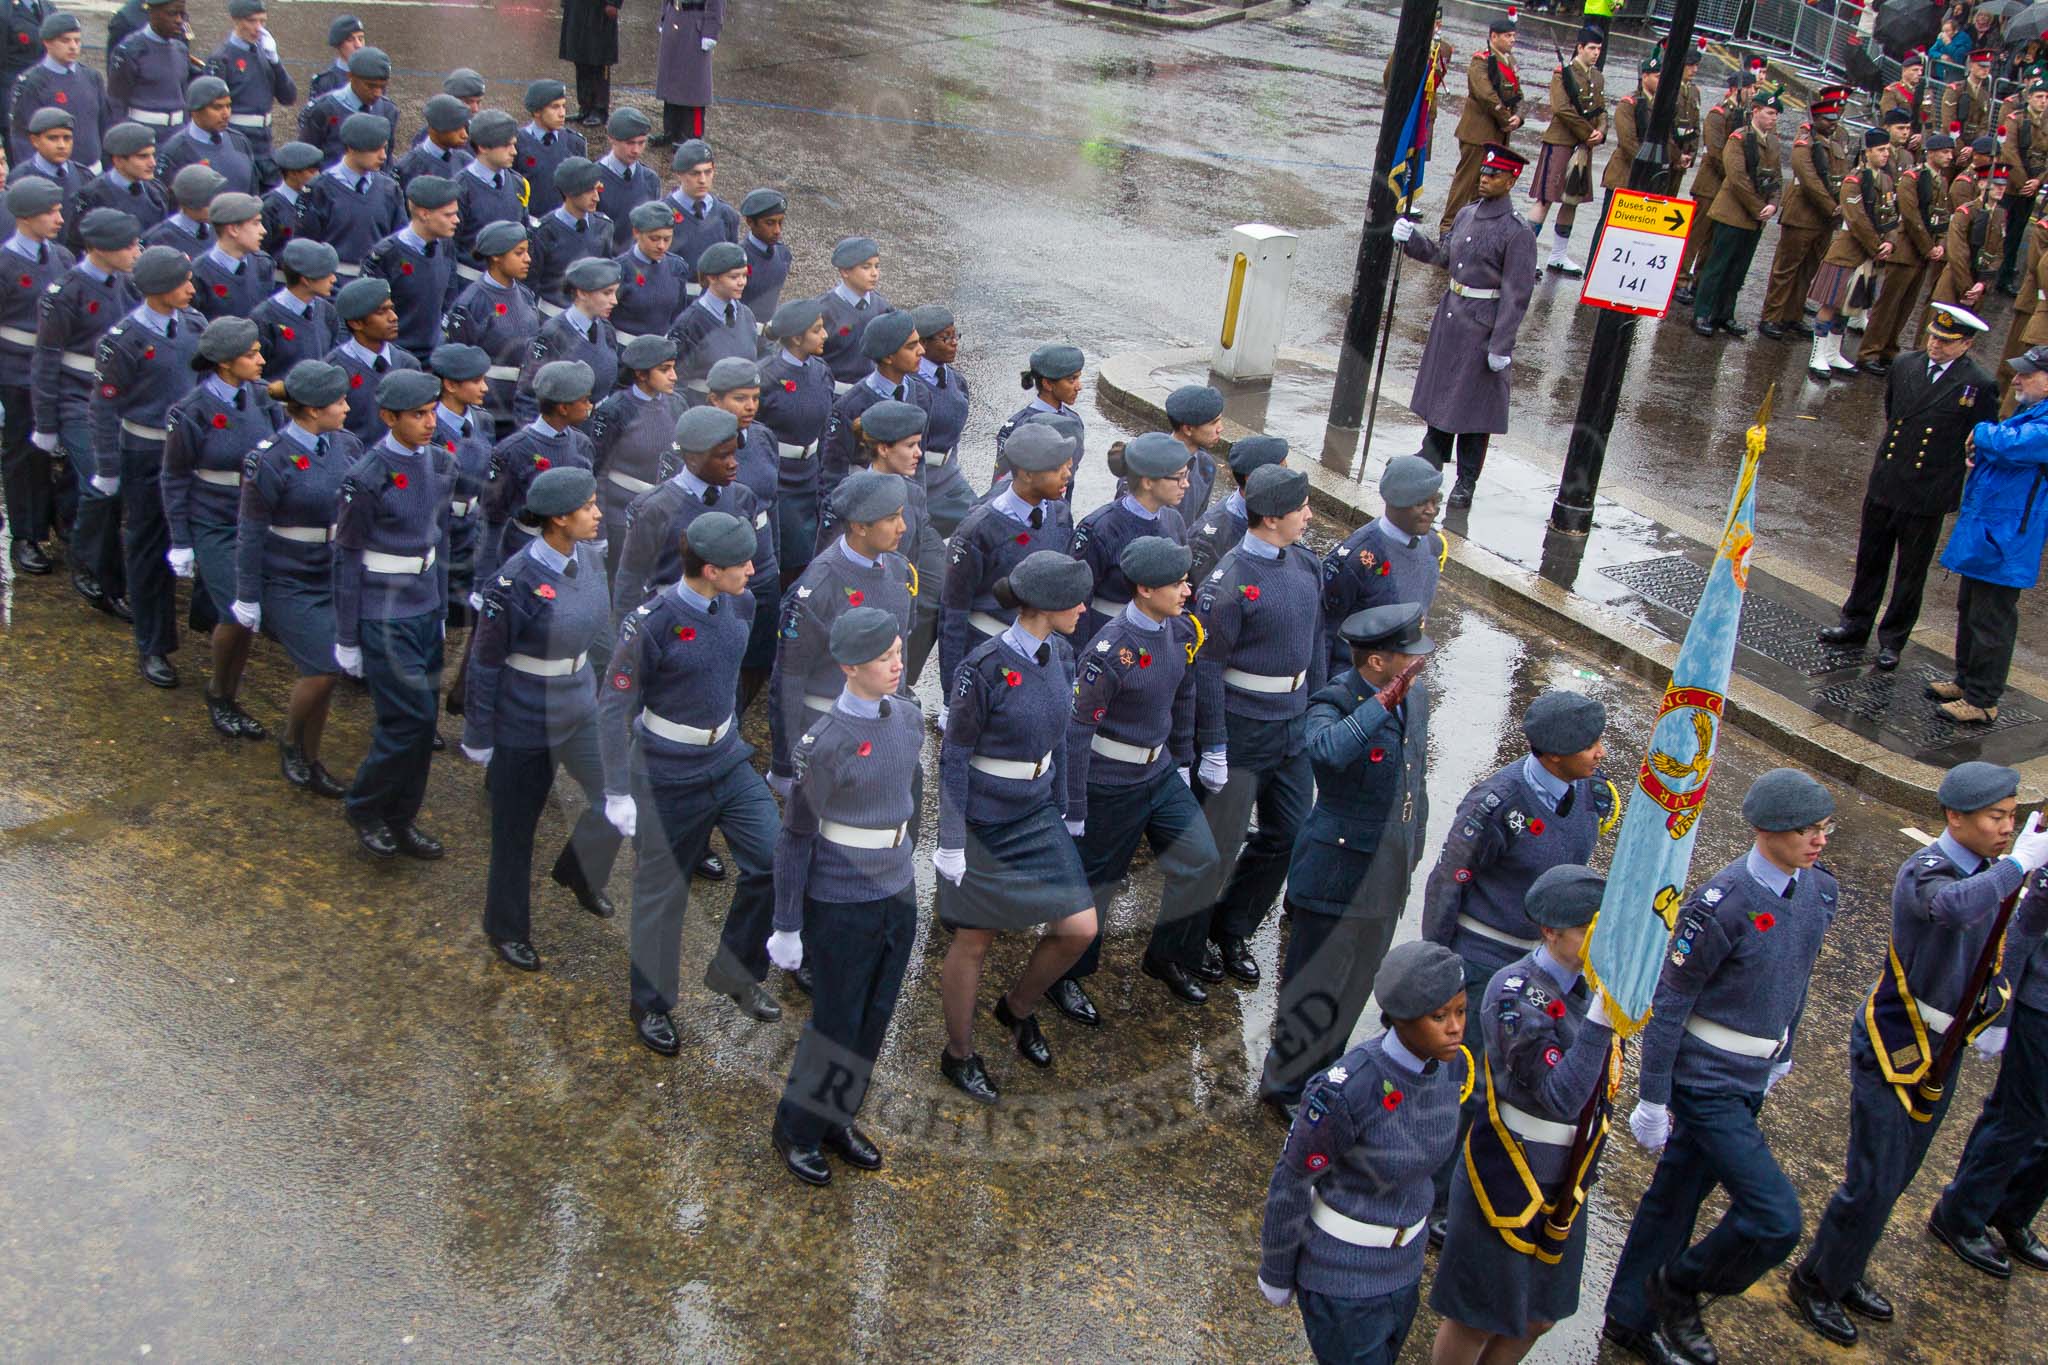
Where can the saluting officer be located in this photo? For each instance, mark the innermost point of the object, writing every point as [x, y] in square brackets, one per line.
[632, 431]
[256, 78]
[892, 347]
[581, 332]
[796, 404]
[298, 322]
[35, 264]
[1053, 378]
[1944, 907]
[234, 274]
[491, 191]
[545, 142]
[846, 891]
[498, 314]
[443, 148]
[768, 260]
[651, 277]
[364, 307]
[1220, 529]
[1729, 999]
[187, 230]
[1155, 481]
[628, 181]
[947, 491]
[891, 436]
[701, 217]
[418, 262]
[207, 138]
[850, 305]
[147, 71]
[1347, 881]
[1027, 514]
[570, 231]
[553, 439]
[1195, 413]
[325, 119]
[463, 429]
[286, 204]
[354, 204]
[1396, 557]
[1262, 611]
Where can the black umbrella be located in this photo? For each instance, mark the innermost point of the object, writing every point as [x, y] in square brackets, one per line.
[2027, 25]
[1906, 24]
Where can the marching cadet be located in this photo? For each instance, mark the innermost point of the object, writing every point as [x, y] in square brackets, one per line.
[1053, 379]
[1492, 112]
[1027, 514]
[1261, 610]
[846, 892]
[1946, 931]
[284, 555]
[796, 404]
[2024, 151]
[492, 192]
[298, 321]
[715, 325]
[497, 313]
[532, 707]
[1811, 208]
[1396, 557]
[1155, 481]
[1969, 101]
[443, 148]
[675, 767]
[465, 84]
[129, 183]
[1751, 177]
[946, 396]
[1564, 167]
[1345, 1207]
[701, 217]
[734, 385]
[707, 439]
[1367, 736]
[325, 120]
[1549, 1073]
[1195, 414]
[1715, 126]
[631, 432]
[1909, 92]
[890, 440]
[36, 264]
[212, 428]
[1729, 999]
[552, 439]
[462, 428]
[418, 262]
[651, 278]
[233, 275]
[1870, 217]
[355, 205]
[571, 231]
[581, 332]
[143, 366]
[286, 203]
[1631, 120]
[1461, 390]
[364, 307]
[20, 26]
[69, 321]
[345, 36]
[59, 80]
[628, 182]
[1223, 527]
[257, 81]
[768, 260]
[1976, 242]
[390, 609]
[850, 305]
[50, 135]
[1918, 244]
[892, 349]
[186, 230]
[147, 71]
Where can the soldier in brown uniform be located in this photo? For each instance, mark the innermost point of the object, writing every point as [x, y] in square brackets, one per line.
[1969, 101]
[1564, 166]
[1976, 243]
[1685, 129]
[1812, 206]
[1631, 116]
[2029, 313]
[1719, 121]
[1910, 93]
[1918, 244]
[1752, 175]
[1974, 161]
[1493, 102]
[1899, 124]
[2025, 152]
[1870, 214]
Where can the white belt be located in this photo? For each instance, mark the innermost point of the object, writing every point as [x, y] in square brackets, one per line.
[985, 623]
[248, 120]
[508, 373]
[698, 386]
[788, 452]
[376, 561]
[937, 457]
[1466, 291]
[1020, 769]
[859, 836]
[550, 310]
[17, 336]
[1102, 606]
[628, 482]
[462, 507]
[839, 388]
[220, 478]
[146, 433]
[625, 338]
[85, 364]
[692, 290]
[1935, 1019]
[545, 668]
[305, 535]
[1360, 1234]
[347, 268]
[1262, 682]
[1485, 930]
[684, 734]
[817, 703]
[468, 272]
[1546, 1131]
[1728, 1040]
[1122, 752]
[760, 520]
[154, 118]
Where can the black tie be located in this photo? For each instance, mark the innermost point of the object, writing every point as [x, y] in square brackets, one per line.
[428, 251]
[581, 223]
[1565, 803]
[497, 180]
[170, 329]
[241, 267]
[860, 305]
[319, 445]
[939, 371]
[547, 139]
[380, 364]
[711, 495]
[884, 704]
[698, 213]
[1044, 654]
[362, 184]
[241, 399]
[897, 393]
[1791, 885]
[466, 429]
[43, 254]
[1037, 517]
[135, 188]
[569, 569]
[728, 313]
[60, 173]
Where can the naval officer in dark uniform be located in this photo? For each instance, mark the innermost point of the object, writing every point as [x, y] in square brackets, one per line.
[1395, 557]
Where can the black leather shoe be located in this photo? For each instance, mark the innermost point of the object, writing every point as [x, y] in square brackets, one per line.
[292, 761]
[657, 1031]
[1880, 368]
[853, 1148]
[88, 587]
[1734, 329]
[156, 670]
[1031, 1045]
[222, 717]
[1887, 659]
[1843, 636]
[1823, 1314]
[376, 836]
[1775, 331]
[1237, 960]
[1705, 329]
[1678, 1320]
[587, 896]
[1649, 1346]
[325, 783]
[246, 725]
[803, 979]
[30, 557]
[1177, 979]
[517, 952]
[1682, 297]
[116, 606]
[1069, 999]
[414, 842]
[710, 868]
[1866, 1302]
[1461, 492]
[1803, 328]
[1211, 969]
[805, 1163]
[440, 744]
[1975, 1249]
[748, 995]
[970, 1075]
[2022, 1246]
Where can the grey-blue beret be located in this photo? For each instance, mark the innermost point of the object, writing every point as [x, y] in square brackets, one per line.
[627, 124]
[1564, 897]
[495, 239]
[431, 192]
[1254, 452]
[1394, 627]
[195, 185]
[721, 539]
[559, 491]
[59, 24]
[861, 635]
[794, 318]
[445, 113]
[1409, 481]
[204, 90]
[1155, 455]
[1786, 799]
[492, 128]
[762, 202]
[869, 495]
[1155, 561]
[732, 372]
[720, 257]
[563, 381]
[705, 428]
[371, 63]
[1974, 785]
[1050, 581]
[849, 252]
[406, 390]
[289, 156]
[647, 351]
[1036, 447]
[463, 83]
[541, 93]
[109, 229]
[1274, 491]
[223, 340]
[577, 175]
[459, 362]
[889, 421]
[342, 28]
[160, 269]
[691, 154]
[32, 195]
[652, 216]
[930, 319]
[308, 259]
[1191, 405]
[887, 335]
[1561, 722]
[1417, 979]
[126, 139]
[315, 383]
[49, 117]
[1054, 360]
[361, 297]
[591, 274]
[365, 132]
[232, 206]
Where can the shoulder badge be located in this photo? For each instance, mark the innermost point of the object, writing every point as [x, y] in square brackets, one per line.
[1338, 1075]
[1711, 896]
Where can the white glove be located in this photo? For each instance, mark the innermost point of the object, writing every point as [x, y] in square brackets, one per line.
[248, 615]
[1497, 363]
[106, 485]
[2030, 845]
[951, 863]
[780, 785]
[707, 43]
[1275, 1295]
[1596, 1013]
[181, 560]
[44, 441]
[476, 755]
[1215, 771]
[1404, 228]
[349, 659]
[939, 719]
[1651, 1124]
[1077, 827]
[268, 43]
[786, 950]
[624, 815]
[1990, 1042]
[476, 601]
[1778, 1073]
[1187, 775]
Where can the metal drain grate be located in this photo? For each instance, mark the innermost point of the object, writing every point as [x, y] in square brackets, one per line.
[1780, 633]
[1893, 702]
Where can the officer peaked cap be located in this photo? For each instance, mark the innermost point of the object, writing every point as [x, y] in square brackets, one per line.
[1036, 447]
[1191, 405]
[1561, 722]
[890, 421]
[559, 491]
[361, 297]
[1417, 979]
[721, 539]
[860, 636]
[1046, 580]
[1155, 455]
[1155, 561]
[706, 428]
[1786, 799]
[407, 390]
[870, 495]
[1564, 897]
[1395, 628]
[453, 360]
[1974, 785]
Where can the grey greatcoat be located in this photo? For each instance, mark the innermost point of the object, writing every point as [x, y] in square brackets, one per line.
[682, 68]
[1489, 246]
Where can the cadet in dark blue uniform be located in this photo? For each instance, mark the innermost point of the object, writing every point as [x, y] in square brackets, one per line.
[570, 231]
[1262, 661]
[59, 80]
[633, 430]
[1155, 473]
[499, 315]
[286, 204]
[651, 278]
[21, 24]
[1396, 557]
[465, 84]
[1029, 513]
[675, 766]
[1195, 412]
[846, 892]
[545, 142]
[70, 319]
[364, 307]
[143, 367]
[889, 436]
[715, 324]
[1349, 1198]
[324, 120]
[492, 192]
[257, 81]
[443, 148]
[701, 217]
[1218, 532]
[627, 182]
[1944, 907]
[354, 204]
[850, 305]
[206, 139]
[345, 36]
[796, 404]
[298, 322]
[1003, 843]
[147, 71]
[1729, 1000]
[552, 440]
[212, 428]
[129, 183]
[734, 385]
[1130, 747]
[946, 399]
[418, 262]
[31, 264]
[1549, 1073]
[463, 429]
[581, 332]
[186, 230]
[50, 134]
[390, 608]
[1347, 881]
[707, 440]
[284, 555]
[768, 260]
[233, 275]
[532, 706]
[891, 347]
[130, 18]
[1053, 377]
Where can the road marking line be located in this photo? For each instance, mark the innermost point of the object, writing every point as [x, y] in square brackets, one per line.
[1919, 836]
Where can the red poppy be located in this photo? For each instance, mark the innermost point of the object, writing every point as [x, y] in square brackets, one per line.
[679, 215]
[284, 232]
[789, 386]
[355, 381]
[302, 462]
[1377, 756]
[1390, 1098]
[686, 632]
[451, 447]
[93, 306]
[149, 353]
[540, 462]
[865, 749]
[333, 119]
[639, 279]
[1764, 921]
[398, 481]
[1023, 537]
[1012, 677]
[1555, 1009]
[63, 98]
[1385, 568]
[846, 331]
[501, 310]
[28, 282]
[220, 421]
[546, 591]
[288, 334]
[854, 599]
[1250, 591]
[1144, 658]
[241, 63]
[1535, 826]
[405, 267]
[220, 291]
[532, 161]
[21, 38]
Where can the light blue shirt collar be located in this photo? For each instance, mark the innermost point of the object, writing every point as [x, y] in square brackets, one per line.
[219, 388]
[1396, 534]
[120, 181]
[614, 165]
[884, 387]
[299, 436]
[391, 444]
[285, 299]
[1040, 405]
[713, 305]
[852, 298]
[202, 137]
[21, 246]
[640, 394]
[855, 555]
[1957, 854]
[50, 63]
[364, 356]
[539, 427]
[1551, 789]
[1136, 508]
[760, 246]
[347, 174]
[857, 706]
[284, 192]
[1767, 874]
[1564, 976]
[39, 162]
[480, 171]
[580, 320]
[347, 95]
[220, 258]
[1258, 549]
[1024, 642]
[444, 413]
[1398, 1053]
[150, 318]
[412, 239]
[1010, 505]
[687, 477]
[690, 597]
[1135, 616]
[1234, 504]
[791, 358]
[637, 254]
[547, 554]
[94, 271]
[188, 225]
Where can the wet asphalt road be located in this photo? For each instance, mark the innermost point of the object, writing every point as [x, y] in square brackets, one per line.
[266, 1099]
